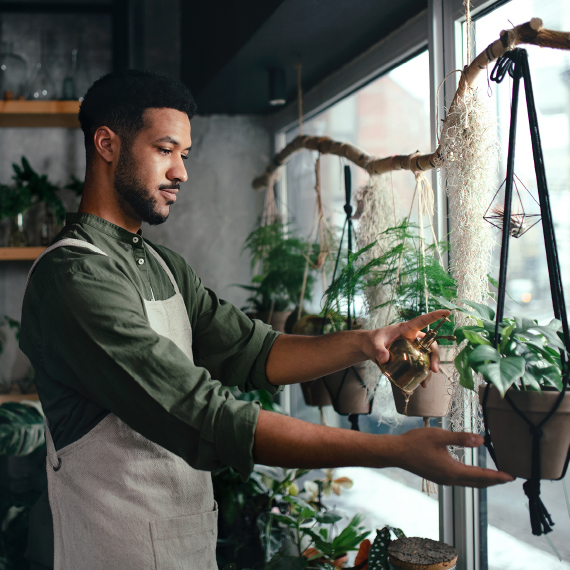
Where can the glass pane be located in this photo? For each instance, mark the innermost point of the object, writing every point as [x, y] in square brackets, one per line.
[389, 116]
[510, 542]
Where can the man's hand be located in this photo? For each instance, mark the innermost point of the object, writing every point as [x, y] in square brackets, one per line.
[424, 452]
[381, 339]
[288, 442]
[296, 358]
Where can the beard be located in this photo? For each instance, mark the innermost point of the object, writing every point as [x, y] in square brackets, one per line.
[133, 193]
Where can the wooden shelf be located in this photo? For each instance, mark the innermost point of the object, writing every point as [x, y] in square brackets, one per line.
[39, 114]
[20, 253]
[18, 397]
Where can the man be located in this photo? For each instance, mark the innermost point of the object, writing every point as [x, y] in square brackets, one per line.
[133, 356]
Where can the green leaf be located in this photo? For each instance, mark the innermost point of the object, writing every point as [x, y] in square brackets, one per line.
[504, 373]
[506, 337]
[484, 353]
[462, 364]
[482, 311]
[473, 336]
[287, 520]
[328, 517]
[21, 429]
[530, 382]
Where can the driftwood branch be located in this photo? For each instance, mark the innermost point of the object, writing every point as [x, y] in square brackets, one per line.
[529, 33]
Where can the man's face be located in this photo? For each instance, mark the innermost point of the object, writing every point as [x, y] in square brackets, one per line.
[150, 169]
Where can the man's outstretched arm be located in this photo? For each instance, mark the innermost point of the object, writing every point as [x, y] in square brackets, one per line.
[296, 358]
[283, 441]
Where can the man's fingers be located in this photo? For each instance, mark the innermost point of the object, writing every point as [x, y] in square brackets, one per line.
[465, 439]
[423, 321]
[470, 476]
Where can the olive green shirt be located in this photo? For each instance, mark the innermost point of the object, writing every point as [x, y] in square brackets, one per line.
[85, 331]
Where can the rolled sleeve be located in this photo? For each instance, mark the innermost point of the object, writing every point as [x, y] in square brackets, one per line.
[235, 434]
[229, 344]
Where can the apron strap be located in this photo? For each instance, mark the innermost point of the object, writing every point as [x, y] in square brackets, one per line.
[165, 267]
[52, 457]
[63, 243]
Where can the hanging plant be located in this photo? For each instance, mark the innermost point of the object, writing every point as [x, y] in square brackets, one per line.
[280, 256]
[402, 268]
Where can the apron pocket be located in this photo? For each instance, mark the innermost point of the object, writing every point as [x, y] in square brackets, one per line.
[185, 543]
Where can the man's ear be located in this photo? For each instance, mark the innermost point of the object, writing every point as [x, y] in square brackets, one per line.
[107, 144]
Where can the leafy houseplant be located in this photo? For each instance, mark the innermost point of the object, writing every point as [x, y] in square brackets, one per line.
[281, 258]
[21, 435]
[31, 188]
[526, 365]
[287, 521]
[527, 356]
[403, 271]
[402, 268]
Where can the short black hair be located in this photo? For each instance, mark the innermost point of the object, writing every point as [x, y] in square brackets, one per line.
[119, 99]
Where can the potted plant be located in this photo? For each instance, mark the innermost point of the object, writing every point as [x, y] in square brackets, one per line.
[280, 257]
[410, 275]
[22, 454]
[29, 189]
[280, 522]
[526, 365]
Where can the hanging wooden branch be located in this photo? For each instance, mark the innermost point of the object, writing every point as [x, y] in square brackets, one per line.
[529, 33]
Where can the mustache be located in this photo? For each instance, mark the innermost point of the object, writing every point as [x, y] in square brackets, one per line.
[169, 187]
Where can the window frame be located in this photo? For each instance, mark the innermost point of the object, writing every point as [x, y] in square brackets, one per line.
[462, 522]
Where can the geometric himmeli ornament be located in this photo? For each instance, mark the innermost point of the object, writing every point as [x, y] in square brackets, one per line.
[520, 221]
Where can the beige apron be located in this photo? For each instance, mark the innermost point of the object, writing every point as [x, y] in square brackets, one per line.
[120, 501]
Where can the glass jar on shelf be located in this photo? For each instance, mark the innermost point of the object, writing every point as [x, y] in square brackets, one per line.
[41, 85]
[13, 72]
[18, 236]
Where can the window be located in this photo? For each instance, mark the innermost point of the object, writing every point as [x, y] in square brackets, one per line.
[510, 542]
[388, 116]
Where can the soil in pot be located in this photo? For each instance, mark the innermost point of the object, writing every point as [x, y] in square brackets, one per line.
[349, 395]
[416, 553]
[511, 436]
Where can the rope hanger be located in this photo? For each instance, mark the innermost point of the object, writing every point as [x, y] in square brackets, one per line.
[515, 63]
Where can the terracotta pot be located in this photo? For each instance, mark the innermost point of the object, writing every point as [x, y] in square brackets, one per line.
[278, 319]
[348, 394]
[511, 437]
[315, 393]
[434, 400]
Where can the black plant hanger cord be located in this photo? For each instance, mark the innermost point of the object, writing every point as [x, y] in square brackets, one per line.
[515, 63]
[349, 229]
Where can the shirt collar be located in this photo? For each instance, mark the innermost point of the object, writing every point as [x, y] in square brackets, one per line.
[102, 225]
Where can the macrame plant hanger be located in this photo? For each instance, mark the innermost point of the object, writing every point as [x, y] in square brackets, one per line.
[347, 229]
[515, 63]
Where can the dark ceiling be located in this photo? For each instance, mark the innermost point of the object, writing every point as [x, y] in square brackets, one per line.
[229, 45]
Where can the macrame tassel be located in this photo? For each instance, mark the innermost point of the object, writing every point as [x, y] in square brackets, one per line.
[540, 519]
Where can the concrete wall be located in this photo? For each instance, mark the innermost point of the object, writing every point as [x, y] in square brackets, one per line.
[215, 210]
[217, 207]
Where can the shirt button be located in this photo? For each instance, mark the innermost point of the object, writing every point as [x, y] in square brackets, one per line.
[140, 261]
[135, 240]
